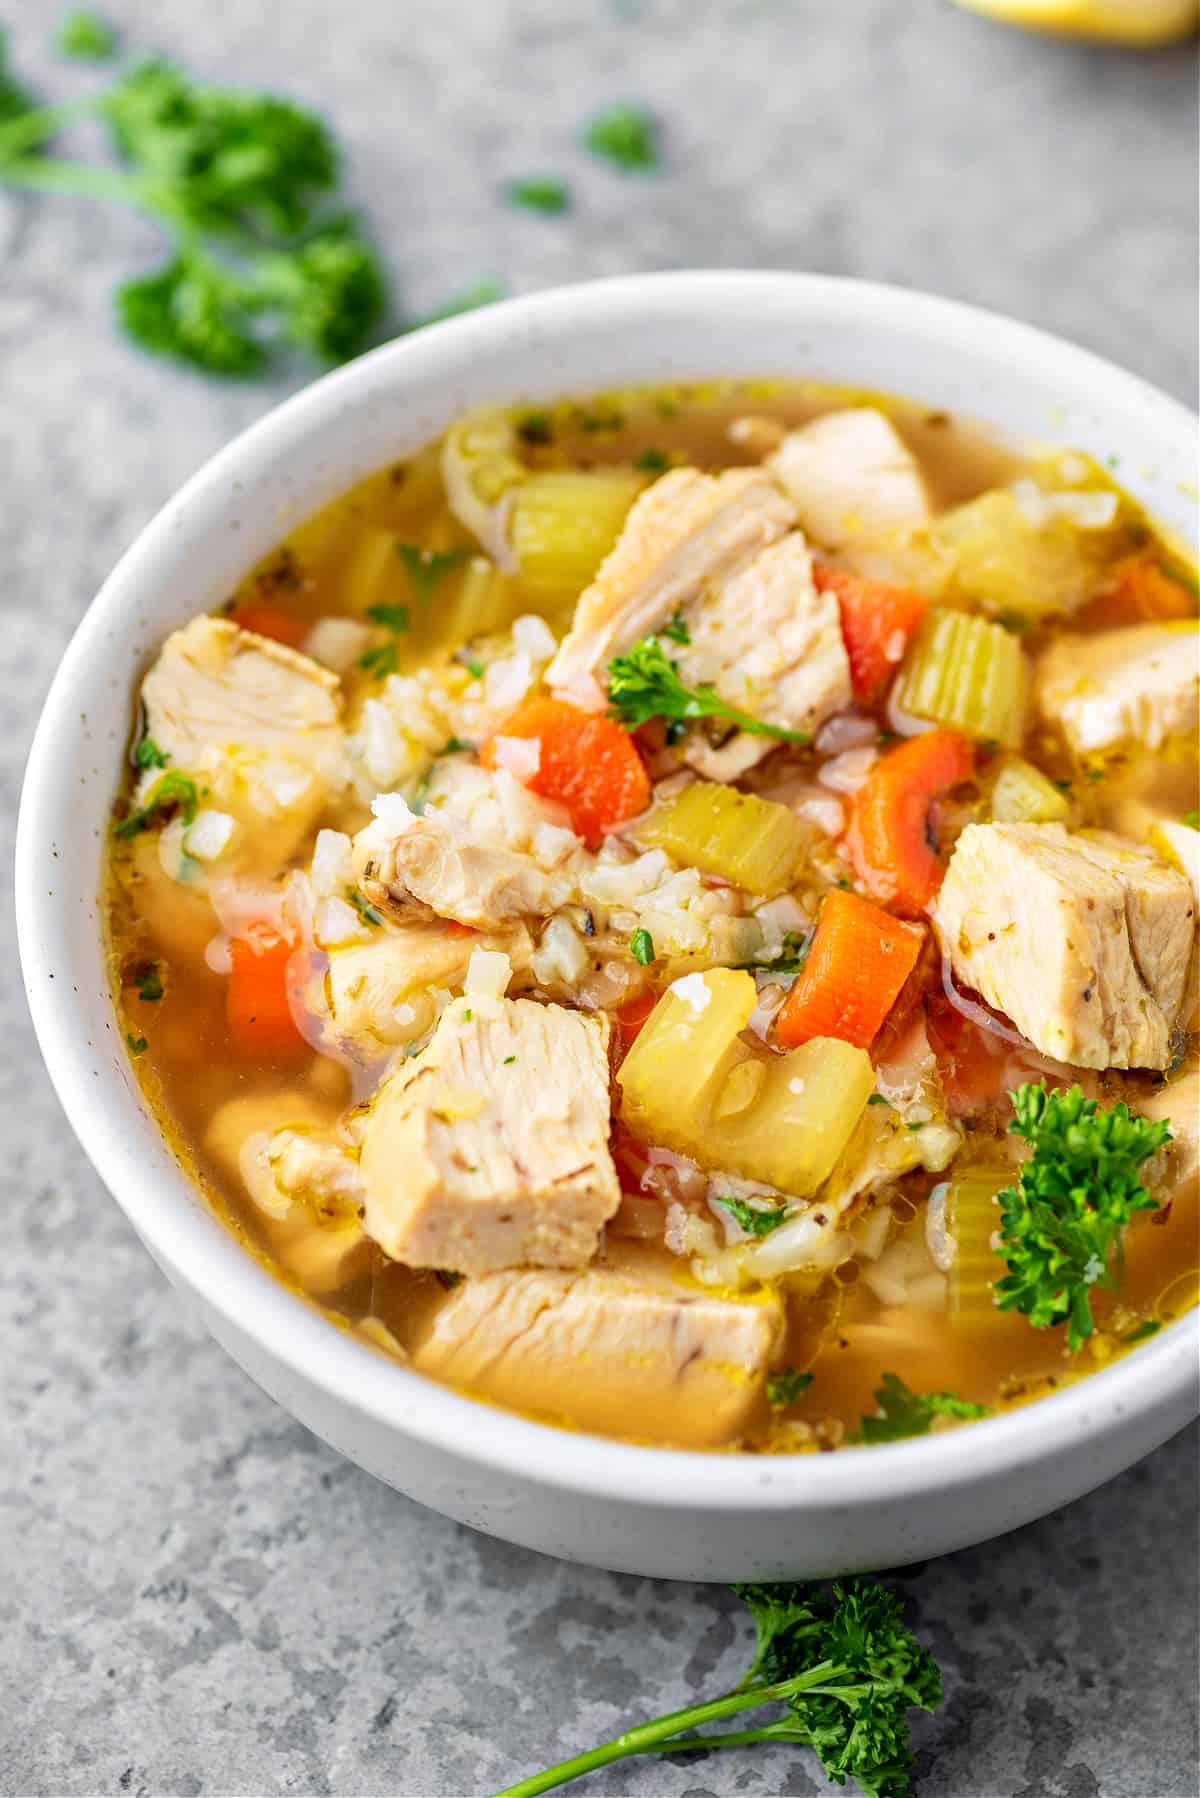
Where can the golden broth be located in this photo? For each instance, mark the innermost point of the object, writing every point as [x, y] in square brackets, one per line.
[190, 1067]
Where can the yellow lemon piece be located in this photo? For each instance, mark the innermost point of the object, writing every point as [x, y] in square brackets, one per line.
[1140, 22]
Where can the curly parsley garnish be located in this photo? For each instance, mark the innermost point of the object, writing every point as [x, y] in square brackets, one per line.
[1061, 1225]
[842, 1662]
[903, 1412]
[644, 683]
[238, 182]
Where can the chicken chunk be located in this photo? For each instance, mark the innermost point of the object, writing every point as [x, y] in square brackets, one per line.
[685, 532]
[1082, 941]
[259, 722]
[851, 477]
[772, 645]
[378, 994]
[303, 1180]
[490, 1149]
[417, 868]
[609, 1345]
[1135, 686]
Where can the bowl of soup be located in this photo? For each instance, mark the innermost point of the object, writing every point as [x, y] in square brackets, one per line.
[613, 891]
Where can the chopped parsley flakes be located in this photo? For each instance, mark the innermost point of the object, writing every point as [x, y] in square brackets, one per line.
[626, 136]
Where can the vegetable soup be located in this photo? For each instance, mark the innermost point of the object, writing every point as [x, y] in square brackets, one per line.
[675, 913]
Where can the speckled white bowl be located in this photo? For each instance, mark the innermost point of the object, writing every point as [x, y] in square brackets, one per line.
[650, 1511]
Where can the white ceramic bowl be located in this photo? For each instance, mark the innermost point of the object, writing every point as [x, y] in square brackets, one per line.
[651, 1511]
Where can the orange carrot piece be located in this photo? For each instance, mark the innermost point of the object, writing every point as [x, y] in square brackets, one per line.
[877, 621]
[1141, 592]
[256, 1001]
[588, 763]
[891, 839]
[859, 959]
[265, 621]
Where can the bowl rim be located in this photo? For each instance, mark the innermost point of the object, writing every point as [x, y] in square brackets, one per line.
[204, 1254]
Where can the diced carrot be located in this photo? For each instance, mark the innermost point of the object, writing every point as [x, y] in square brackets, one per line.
[588, 763]
[891, 837]
[265, 621]
[1140, 592]
[859, 960]
[877, 621]
[256, 1002]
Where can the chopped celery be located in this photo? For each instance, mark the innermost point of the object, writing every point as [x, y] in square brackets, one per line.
[1023, 795]
[1016, 559]
[966, 673]
[750, 842]
[972, 1218]
[564, 523]
[480, 468]
[690, 1083]
[484, 601]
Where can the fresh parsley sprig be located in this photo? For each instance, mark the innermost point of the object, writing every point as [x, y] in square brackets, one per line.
[1062, 1223]
[237, 180]
[842, 1662]
[644, 683]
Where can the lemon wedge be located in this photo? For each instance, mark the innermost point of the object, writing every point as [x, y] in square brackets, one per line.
[1140, 22]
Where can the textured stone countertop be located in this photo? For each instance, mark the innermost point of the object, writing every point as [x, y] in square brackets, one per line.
[196, 1596]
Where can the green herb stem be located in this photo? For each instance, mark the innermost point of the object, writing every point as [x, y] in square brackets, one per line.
[29, 129]
[61, 177]
[665, 1734]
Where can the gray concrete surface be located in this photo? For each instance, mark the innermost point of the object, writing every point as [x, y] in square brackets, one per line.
[196, 1597]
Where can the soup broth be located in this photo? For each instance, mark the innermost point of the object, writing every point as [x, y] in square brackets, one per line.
[568, 909]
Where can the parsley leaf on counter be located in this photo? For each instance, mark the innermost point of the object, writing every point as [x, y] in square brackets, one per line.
[86, 37]
[1062, 1223]
[753, 1221]
[644, 683]
[237, 181]
[842, 1661]
[903, 1412]
[624, 135]
[540, 193]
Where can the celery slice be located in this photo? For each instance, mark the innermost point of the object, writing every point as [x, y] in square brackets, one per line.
[994, 555]
[564, 523]
[750, 842]
[966, 673]
[691, 1084]
[1023, 795]
[972, 1218]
